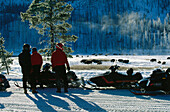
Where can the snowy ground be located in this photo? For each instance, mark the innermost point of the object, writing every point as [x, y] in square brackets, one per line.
[47, 100]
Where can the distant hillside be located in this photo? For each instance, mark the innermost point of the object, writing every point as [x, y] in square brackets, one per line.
[98, 24]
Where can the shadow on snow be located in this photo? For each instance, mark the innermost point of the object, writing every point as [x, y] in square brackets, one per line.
[48, 99]
[4, 94]
[126, 92]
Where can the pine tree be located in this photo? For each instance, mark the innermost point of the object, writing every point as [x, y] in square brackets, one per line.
[4, 56]
[50, 18]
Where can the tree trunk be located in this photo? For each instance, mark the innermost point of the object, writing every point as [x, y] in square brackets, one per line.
[52, 39]
[52, 30]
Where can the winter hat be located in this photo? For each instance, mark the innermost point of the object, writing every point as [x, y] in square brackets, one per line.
[34, 49]
[60, 46]
[26, 47]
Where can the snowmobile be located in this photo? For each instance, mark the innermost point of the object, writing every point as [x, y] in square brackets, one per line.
[157, 83]
[115, 79]
[48, 78]
[4, 84]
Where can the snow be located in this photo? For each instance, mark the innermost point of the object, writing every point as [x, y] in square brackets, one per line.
[81, 100]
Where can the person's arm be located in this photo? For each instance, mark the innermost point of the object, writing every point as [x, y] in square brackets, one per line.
[68, 66]
[32, 60]
[52, 59]
[20, 60]
[41, 60]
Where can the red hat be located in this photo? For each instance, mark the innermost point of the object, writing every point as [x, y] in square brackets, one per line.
[59, 45]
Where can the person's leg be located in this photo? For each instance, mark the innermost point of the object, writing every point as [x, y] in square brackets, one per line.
[58, 78]
[64, 77]
[65, 84]
[24, 80]
[33, 85]
[33, 79]
[38, 76]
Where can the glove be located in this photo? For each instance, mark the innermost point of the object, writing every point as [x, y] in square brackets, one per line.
[68, 68]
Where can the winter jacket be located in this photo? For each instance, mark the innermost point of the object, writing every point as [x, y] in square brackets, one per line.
[25, 60]
[36, 58]
[59, 58]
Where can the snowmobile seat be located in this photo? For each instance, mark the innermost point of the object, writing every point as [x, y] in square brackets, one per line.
[137, 76]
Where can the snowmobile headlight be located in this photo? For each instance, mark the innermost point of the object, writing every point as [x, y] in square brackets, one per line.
[163, 77]
[138, 81]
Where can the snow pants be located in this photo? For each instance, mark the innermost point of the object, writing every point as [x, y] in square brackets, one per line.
[26, 74]
[61, 75]
[35, 75]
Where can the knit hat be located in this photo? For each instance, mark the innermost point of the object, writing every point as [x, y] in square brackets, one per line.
[34, 49]
[60, 46]
[26, 47]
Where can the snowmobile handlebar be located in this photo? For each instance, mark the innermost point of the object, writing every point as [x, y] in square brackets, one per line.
[168, 70]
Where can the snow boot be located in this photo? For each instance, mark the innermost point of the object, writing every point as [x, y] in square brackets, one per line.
[58, 91]
[66, 91]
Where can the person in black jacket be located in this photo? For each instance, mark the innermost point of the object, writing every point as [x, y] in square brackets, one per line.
[25, 63]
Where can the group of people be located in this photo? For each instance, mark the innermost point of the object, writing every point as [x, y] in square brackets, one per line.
[31, 66]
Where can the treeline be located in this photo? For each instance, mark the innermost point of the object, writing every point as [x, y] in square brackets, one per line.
[145, 33]
[101, 25]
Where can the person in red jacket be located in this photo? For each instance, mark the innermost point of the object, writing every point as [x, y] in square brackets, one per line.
[58, 60]
[36, 61]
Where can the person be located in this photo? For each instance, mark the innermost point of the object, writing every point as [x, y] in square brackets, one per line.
[25, 63]
[58, 60]
[129, 72]
[36, 61]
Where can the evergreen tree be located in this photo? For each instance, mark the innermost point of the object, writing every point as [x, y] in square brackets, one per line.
[49, 18]
[4, 56]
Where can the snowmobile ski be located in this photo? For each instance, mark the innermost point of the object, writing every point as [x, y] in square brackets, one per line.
[147, 93]
[17, 85]
[98, 88]
[95, 87]
[88, 82]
